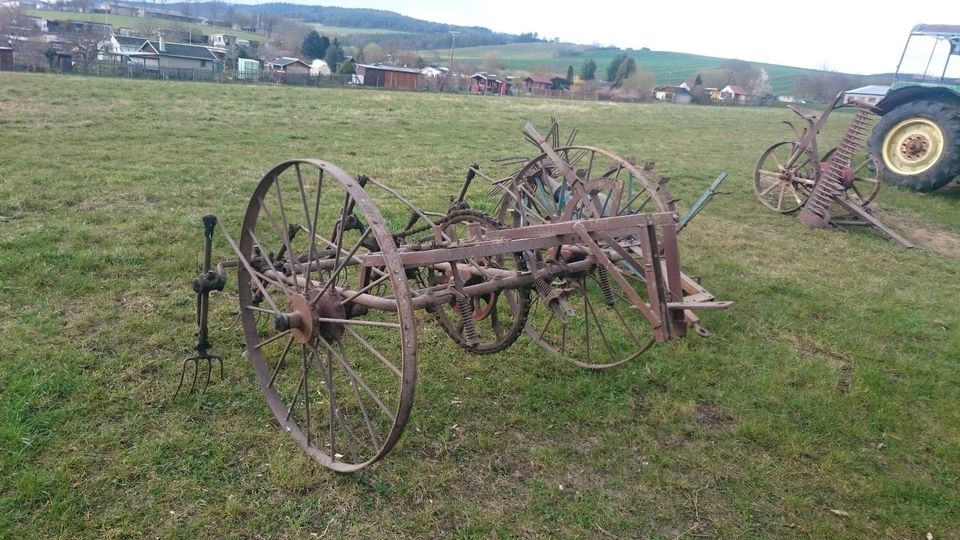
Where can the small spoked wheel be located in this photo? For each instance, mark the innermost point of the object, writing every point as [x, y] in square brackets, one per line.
[595, 326]
[338, 374]
[587, 317]
[784, 177]
[861, 179]
[488, 323]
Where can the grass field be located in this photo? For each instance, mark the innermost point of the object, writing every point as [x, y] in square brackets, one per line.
[824, 405]
[135, 23]
[668, 67]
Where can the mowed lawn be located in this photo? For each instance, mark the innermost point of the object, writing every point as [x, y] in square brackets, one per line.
[824, 405]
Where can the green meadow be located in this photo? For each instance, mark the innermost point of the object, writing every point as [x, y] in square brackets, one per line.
[825, 404]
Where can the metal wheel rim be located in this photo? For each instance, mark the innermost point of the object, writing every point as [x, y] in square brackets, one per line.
[913, 146]
[405, 315]
[518, 301]
[611, 198]
[869, 183]
[788, 180]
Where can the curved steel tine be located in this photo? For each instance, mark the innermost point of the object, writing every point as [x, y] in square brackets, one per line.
[209, 369]
[235, 324]
[183, 372]
[196, 368]
[210, 360]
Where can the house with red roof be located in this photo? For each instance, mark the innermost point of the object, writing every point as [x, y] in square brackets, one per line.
[537, 84]
[733, 93]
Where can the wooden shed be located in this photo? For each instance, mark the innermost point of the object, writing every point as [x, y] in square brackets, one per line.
[6, 59]
[389, 76]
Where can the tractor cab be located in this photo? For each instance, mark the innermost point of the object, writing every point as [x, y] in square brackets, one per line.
[931, 54]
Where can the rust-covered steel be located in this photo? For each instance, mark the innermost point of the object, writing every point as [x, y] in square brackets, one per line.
[834, 189]
[580, 253]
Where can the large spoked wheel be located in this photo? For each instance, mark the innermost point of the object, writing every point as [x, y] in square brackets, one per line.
[338, 376]
[784, 177]
[861, 179]
[587, 318]
[482, 324]
[540, 191]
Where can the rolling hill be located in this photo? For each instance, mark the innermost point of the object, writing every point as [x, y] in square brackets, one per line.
[667, 67]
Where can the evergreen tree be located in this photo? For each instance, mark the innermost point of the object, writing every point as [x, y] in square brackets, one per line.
[626, 68]
[569, 75]
[348, 68]
[589, 70]
[315, 45]
[335, 55]
[615, 66]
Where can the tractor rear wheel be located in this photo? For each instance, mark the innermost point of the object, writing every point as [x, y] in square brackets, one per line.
[917, 145]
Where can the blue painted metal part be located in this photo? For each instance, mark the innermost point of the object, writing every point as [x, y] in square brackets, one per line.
[703, 200]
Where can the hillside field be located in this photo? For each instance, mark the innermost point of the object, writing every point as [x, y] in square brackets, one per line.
[667, 67]
[823, 406]
[135, 23]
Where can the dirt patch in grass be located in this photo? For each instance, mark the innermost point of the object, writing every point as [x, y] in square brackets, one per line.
[838, 361]
[712, 415]
[921, 232]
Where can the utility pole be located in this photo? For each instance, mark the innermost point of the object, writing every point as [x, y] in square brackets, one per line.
[453, 39]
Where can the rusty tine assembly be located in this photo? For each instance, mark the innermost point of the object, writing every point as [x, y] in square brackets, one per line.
[207, 281]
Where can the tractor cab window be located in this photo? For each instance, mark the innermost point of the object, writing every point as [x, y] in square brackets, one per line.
[931, 58]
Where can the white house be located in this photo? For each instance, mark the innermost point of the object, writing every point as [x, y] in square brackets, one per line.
[155, 55]
[319, 67]
[433, 71]
[867, 95]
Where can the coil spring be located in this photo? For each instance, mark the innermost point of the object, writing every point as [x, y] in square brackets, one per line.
[605, 287]
[465, 308]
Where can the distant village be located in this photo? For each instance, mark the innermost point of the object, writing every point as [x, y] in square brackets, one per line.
[166, 45]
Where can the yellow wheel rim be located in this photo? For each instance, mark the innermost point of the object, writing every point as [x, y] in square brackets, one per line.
[913, 146]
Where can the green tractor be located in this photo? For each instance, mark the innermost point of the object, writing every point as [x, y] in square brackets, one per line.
[917, 141]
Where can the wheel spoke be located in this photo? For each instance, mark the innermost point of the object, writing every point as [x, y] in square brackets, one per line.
[343, 264]
[363, 409]
[263, 253]
[283, 356]
[796, 196]
[272, 339]
[377, 354]
[351, 372]
[246, 265]
[603, 337]
[306, 391]
[770, 187]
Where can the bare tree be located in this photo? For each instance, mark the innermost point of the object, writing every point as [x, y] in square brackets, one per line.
[372, 53]
[148, 27]
[86, 42]
[215, 9]
[8, 18]
[492, 63]
[269, 23]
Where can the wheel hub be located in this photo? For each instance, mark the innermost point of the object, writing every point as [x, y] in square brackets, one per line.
[914, 147]
[304, 318]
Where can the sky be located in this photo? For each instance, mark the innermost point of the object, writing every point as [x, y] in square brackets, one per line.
[813, 34]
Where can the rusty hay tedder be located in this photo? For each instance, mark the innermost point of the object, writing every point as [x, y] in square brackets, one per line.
[580, 253]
